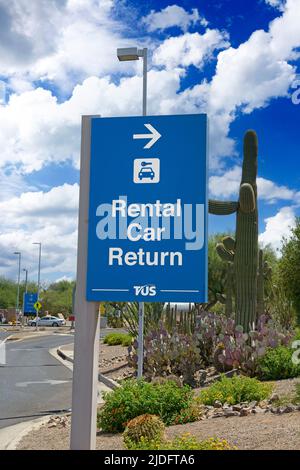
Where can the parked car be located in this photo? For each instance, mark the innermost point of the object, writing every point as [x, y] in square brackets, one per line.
[48, 320]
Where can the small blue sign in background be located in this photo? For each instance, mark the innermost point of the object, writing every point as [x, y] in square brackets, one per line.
[127, 163]
[29, 301]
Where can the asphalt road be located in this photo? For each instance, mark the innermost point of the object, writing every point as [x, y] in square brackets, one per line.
[32, 382]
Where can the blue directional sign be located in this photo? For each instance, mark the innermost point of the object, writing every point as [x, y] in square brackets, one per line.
[29, 300]
[147, 233]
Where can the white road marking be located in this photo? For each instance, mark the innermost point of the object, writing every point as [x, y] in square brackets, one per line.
[42, 382]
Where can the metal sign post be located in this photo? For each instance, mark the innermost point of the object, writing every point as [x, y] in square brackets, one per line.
[87, 331]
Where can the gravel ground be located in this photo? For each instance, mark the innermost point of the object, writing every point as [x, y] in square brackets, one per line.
[113, 362]
[254, 432]
[263, 432]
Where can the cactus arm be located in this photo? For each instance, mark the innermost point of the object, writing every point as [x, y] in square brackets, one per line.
[247, 198]
[249, 171]
[222, 207]
[229, 243]
[224, 254]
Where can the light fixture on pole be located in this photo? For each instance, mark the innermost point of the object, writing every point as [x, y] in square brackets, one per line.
[18, 289]
[127, 54]
[133, 53]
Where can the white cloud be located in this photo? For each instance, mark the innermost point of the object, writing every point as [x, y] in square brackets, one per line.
[279, 4]
[257, 71]
[227, 186]
[47, 217]
[61, 41]
[37, 130]
[173, 15]
[190, 49]
[277, 227]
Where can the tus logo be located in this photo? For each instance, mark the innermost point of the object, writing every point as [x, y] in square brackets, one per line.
[145, 290]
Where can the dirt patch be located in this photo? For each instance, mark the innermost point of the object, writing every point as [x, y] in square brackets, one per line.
[286, 387]
[263, 432]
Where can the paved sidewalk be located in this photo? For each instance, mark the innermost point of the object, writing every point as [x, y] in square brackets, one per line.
[65, 354]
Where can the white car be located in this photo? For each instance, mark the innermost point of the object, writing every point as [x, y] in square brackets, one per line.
[47, 321]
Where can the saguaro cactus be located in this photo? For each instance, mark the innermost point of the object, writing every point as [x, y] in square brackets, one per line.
[227, 299]
[264, 273]
[243, 251]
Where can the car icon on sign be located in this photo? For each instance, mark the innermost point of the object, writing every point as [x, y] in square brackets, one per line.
[146, 173]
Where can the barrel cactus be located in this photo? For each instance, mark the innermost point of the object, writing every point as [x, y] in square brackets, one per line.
[145, 427]
[243, 251]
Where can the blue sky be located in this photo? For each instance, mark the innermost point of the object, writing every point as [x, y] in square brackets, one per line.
[237, 61]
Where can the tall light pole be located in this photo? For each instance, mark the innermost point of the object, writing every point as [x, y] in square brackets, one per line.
[39, 268]
[26, 279]
[18, 289]
[133, 53]
[126, 54]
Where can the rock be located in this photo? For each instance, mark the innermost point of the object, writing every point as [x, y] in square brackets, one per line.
[252, 404]
[257, 409]
[274, 410]
[229, 413]
[218, 415]
[263, 404]
[218, 404]
[245, 411]
[237, 407]
[289, 409]
[274, 397]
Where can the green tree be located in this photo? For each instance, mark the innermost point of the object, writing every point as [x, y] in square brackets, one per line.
[289, 267]
[57, 298]
[8, 292]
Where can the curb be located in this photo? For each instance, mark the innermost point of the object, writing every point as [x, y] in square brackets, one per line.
[110, 383]
[11, 436]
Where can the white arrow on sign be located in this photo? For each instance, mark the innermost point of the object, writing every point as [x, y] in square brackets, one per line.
[154, 136]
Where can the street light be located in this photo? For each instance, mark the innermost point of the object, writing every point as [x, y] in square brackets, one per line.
[26, 279]
[126, 54]
[18, 290]
[133, 53]
[39, 282]
[39, 268]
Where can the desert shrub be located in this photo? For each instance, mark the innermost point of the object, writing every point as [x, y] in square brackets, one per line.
[277, 364]
[183, 442]
[168, 353]
[235, 390]
[225, 344]
[152, 315]
[137, 397]
[281, 307]
[147, 427]
[189, 415]
[114, 339]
